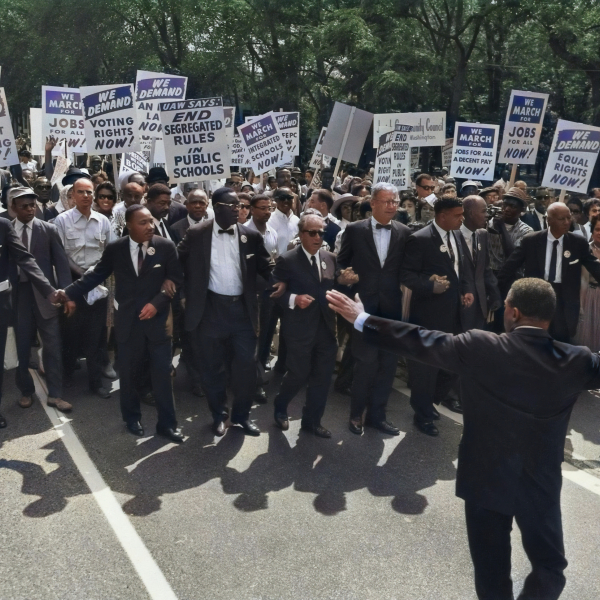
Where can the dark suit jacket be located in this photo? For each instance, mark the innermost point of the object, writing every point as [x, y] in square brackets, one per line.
[517, 391]
[11, 249]
[423, 258]
[194, 253]
[49, 253]
[531, 219]
[180, 228]
[133, 292]
[485, 284]
[176, 213]
[295, 270]
[379, 287]
[331, 231]
[532, 255]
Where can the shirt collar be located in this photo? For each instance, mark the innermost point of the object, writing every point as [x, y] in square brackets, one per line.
[551, 238]
[527, 327]
[309, 255]
[441, 231]
[77, 215]
[134, 245]
[216, 228]
[375, 222]
[467, 233]
[192, 221]
[19, 226]
[283, 215]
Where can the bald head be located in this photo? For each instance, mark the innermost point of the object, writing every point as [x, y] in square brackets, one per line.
[132, 193]
[559, 219]
[475, 208]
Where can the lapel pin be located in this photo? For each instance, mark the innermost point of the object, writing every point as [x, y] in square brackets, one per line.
[479, 247]
[151, 251]
[323, 265]
[567, 254]
[443, 248]
[243, 239]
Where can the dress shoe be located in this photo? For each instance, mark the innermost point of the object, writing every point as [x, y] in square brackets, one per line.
[453, 405]
[26, 401]
[218, 428]
[355, 426]
[279, 368]
[174, 435]
[384, 426]
[261, 396]
[135, 427]
[319, 430]
[197, 391]
[282, 421]
[2, 422]
[426, 427]
[148, 399]
[436, 414]
[342, 389]
[101, 392]
[109, 372]
[248, 426]
[59, 404]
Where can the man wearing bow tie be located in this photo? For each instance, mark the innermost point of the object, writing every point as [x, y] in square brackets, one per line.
[221, 260]
[370, 260]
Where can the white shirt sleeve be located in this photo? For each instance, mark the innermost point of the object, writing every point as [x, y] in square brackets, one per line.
[360, 321]
[292, 301]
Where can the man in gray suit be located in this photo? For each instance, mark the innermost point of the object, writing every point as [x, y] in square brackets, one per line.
[33, 311]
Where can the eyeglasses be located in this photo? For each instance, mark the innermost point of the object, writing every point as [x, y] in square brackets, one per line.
[427, 188]
[246, 206]
[105, 197]
[391, 203]
[542, 197]
[284, 198]
[230, 205]
[314, 232]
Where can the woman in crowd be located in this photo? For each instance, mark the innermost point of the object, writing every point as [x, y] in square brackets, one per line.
[244, 213]
[105, 198]
[410, 206]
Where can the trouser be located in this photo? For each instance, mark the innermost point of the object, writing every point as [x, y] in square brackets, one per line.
[429, 385]
[344, 375]
[559, 329]
[372, 380]
[133, 353]
[489, 542]
[28, 319]
[86, 331]
[312, 364]
[226, 322]
[267, 327]
[5, 315]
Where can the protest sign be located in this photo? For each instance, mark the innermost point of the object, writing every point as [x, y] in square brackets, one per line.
[264, 143]
[415, 155]
[428, 128]
[523, 127]
[474, 151]
[572, 156]
[238, 154]
[8, 148]
[289, 126]
[195, 141]
[60, 168]
[110, 119]
[150, 90]
[63, 119]
[35, 127]
[317, 157]
[392, 164]
[447, 152]
[229, 112]
[346, 133]
[134, 162]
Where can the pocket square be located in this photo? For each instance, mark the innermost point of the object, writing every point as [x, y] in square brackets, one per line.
[154, 267]
[249, 255]
[574, 261]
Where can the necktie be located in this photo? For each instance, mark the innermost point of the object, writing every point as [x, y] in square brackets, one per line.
[164, 231]
[553, 259]
[140, 257]
[545, 226]
[229, 231]
[380, 226]
[25, 240]
[449, 246]
[314, 267]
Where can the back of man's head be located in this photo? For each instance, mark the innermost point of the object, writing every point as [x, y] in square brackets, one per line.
[534, 298]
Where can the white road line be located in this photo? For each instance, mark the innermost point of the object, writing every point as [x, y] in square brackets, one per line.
[152, 577]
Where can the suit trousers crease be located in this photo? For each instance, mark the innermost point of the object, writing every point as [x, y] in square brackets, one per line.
[559, 328]
[226, 324]
[137, 353]
[5, 315]
[29, 318]
[309, 362]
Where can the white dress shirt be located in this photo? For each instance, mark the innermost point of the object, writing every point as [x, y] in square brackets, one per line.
[468, 235]
[444, 236]
[19, 229]
[381, 237]
[269, 237]
[286, 228]
[159, 224]
[292, 300]
[587, 231]
[225, 270]
[559, 257]
[343, 224]
[134, 249]
[540, 218]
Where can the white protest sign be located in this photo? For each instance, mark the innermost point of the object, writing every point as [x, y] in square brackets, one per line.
[447, 152]
[392, 164]
[346, 133]
[523, 127]
[229, 112]
[572, 156]
[317, 157]
[134, 162]
[60, 168]
[264, 144]
[35, 126]
[289, 125]
[474, 151]
[195, 141]
[415, 154]
[428, 128]
[8, 148]
[110, 119]
[63, 117]
[238, 154]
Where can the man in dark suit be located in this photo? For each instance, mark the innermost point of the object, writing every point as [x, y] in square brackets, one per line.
[33, 311]
[308, 325]
[510, 455]
[537, 219]
[141, 262]
[158, 202]
[196, 205]
[477, 262]
[221, 261]
[322, 200]
[12, 249]
[557, 256]
[434, 270]
[371, 257]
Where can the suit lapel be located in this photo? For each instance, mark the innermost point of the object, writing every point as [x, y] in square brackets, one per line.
[457, 239]
[371, 241]
[439, 242]
[541, 252]
[394, 238]
[36, 234]
[305, 261]
[208, 233]
[150, 258]
[243, 246]
[565, 259]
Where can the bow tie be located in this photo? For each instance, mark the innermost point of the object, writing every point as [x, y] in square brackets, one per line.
[229, 231]
[380, 226]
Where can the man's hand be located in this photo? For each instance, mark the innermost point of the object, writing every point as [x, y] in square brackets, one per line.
[279, 287]
[349, 309]
[468, 300]
[495, 306]
[70, 307]
[440, 283]
[50, 143]
[347, 277]
[168, 288]
[58, 297]
[303, 300]
[147, 312]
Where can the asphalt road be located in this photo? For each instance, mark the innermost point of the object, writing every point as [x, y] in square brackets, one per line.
[282, 516]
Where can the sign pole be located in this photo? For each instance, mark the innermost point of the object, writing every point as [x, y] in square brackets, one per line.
[513, 176]
[152, 150]
[343, 147]
[115, 174]
[561, 197]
